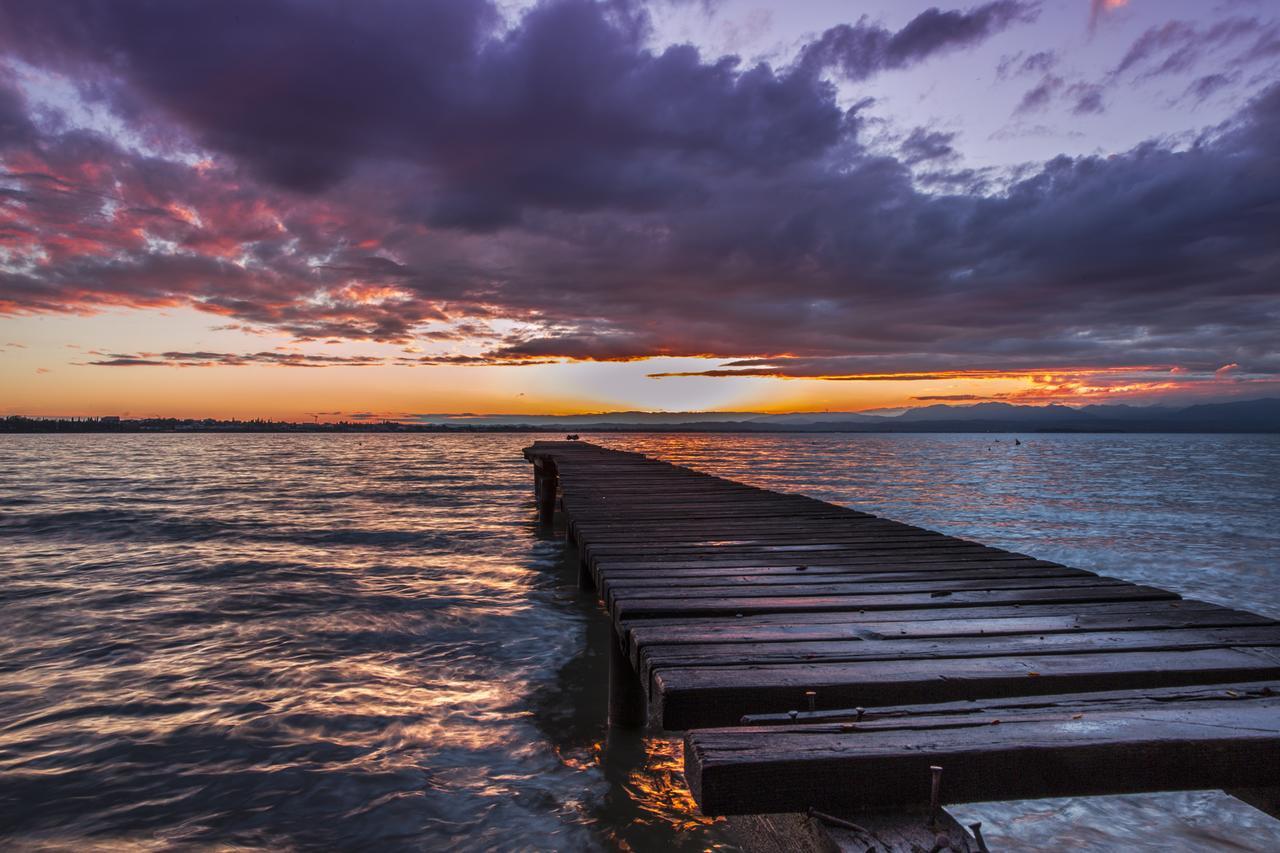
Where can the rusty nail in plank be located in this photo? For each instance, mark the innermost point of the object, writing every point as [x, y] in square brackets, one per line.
[935, 789]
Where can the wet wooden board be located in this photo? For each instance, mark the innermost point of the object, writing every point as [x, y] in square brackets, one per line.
[1046, 752]
[733, 602]
[658, 658]
[608, 531]
[988, 710]
[1040, 620]
[844, 559]
[725, 606]
[633, 582]
[715, 696]
[792, 573]
[666, 551]
[878, 585]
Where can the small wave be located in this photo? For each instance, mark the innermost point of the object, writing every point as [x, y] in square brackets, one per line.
[116, 524]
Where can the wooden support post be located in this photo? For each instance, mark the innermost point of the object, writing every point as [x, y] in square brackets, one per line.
[585, 581]
[626, 699]
[546, 488]
[1266, 800]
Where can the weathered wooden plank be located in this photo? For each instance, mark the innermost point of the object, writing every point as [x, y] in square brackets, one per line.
[716, 510]
[655, 493]
[731, 528]
[801, 526]
[781, 544]
[759, 529]
[774, 561]
[594, 477]
[633, 582]
[796, 573]
[1124, 618]
[708, 510]
[653, 496]
[733, 605]
[936, 587]
[707, 696]
[737, 771]
[656, 658]
[863, 544]
[938, 622]
[1005, 707]
[868, 547]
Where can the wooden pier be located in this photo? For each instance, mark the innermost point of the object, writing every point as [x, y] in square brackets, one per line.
[821, 658]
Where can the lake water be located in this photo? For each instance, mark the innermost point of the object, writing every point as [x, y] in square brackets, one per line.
[301, 642]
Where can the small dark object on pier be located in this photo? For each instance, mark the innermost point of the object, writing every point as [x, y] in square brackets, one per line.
[839, 821]
[976, 826]
[935, 787]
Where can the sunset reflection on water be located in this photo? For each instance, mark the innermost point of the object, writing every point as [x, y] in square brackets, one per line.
[659, 788]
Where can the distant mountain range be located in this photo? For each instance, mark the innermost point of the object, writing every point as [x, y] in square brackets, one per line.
[1240, 416]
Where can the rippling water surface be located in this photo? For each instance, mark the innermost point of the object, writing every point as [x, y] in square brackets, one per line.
[349, 641]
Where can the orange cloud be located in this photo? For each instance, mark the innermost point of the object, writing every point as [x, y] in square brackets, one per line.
[1101, 7]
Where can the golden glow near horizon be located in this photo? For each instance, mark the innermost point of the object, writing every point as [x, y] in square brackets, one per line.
[46, 370]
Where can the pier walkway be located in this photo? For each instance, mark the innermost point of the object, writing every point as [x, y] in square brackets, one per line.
[823, 658]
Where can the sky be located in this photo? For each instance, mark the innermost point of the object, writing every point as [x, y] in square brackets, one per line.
[331, 210]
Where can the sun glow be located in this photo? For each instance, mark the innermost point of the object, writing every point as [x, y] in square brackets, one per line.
[132, 365]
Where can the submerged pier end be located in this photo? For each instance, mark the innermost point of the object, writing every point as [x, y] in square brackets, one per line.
[841, 677]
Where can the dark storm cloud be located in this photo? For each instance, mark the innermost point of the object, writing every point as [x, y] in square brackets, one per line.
[858, 51]
[474, 361]
[227, 359]
[402, 172]
[125, 361]
[15, 127]
[296, 359]
[296, 90]
[567, 110]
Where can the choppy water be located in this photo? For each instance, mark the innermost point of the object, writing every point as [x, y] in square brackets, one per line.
[342, 642]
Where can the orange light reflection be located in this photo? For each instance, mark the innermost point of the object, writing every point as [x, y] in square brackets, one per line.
[659, 789]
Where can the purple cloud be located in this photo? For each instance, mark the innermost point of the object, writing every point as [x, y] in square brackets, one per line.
[1177, 46]
[1039, 96]
[858, 51]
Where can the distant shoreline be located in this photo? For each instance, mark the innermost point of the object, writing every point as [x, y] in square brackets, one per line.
[718, 429]
[1245, 416]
